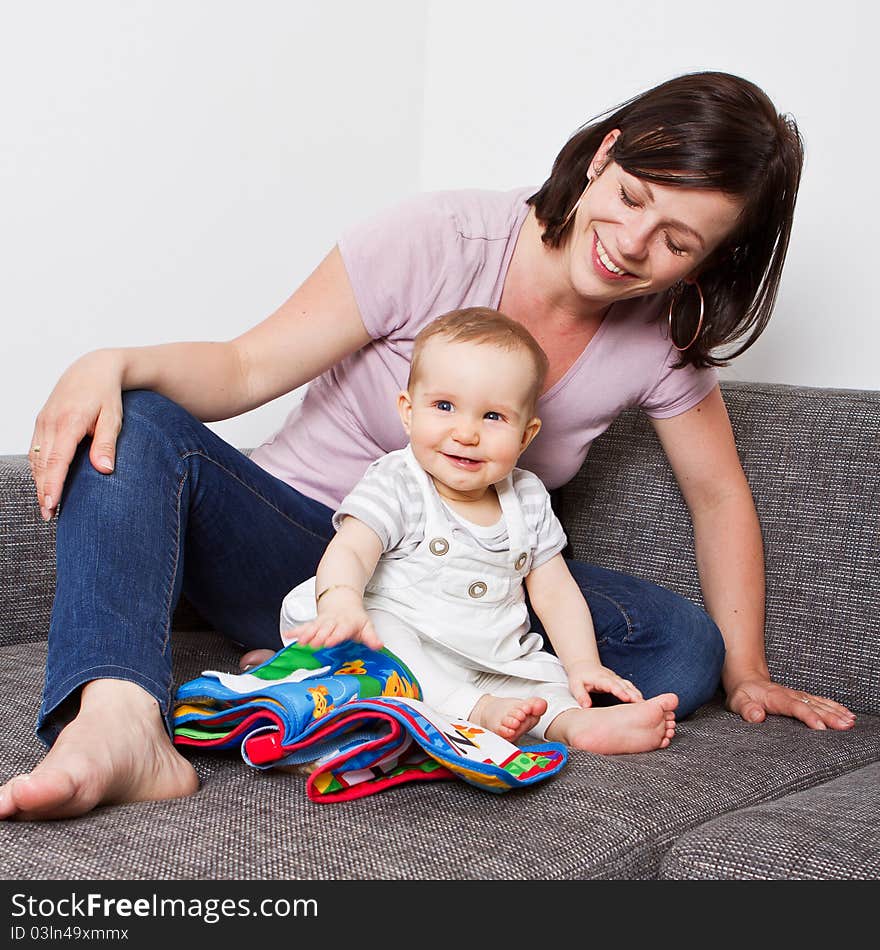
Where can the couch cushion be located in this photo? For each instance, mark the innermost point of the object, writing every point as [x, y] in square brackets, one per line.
[811, 457]
[825, 833]
[601, 817]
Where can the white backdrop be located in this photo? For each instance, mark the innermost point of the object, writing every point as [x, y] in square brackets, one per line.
[508, 82]
[172, 169]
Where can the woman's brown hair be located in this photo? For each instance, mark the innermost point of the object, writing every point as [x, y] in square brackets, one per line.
[701, 130]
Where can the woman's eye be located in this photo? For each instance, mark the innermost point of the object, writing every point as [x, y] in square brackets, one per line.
[494, 416]
[674, 247]
[625, 198]
[444, 405]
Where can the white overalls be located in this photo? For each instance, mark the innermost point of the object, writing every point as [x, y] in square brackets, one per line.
[456, 613]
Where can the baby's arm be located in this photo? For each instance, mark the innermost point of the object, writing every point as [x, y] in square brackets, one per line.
[560, 605]
[347, 565]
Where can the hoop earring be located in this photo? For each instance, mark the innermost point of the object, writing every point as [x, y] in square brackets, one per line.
[576, 205]
[681, 349]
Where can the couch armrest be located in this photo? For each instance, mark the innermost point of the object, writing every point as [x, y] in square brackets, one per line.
[27, 556]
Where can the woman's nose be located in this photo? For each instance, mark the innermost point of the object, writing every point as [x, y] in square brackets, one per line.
[633, 239]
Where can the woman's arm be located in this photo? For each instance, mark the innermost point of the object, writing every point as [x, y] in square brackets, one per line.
[317, 326]
[700, 447]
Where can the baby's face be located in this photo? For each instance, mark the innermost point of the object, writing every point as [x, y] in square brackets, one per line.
[468, 415]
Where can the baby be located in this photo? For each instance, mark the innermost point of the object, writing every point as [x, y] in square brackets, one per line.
[437, 544]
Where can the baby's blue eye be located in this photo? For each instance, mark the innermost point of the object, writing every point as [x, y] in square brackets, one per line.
[494, 416]
[444, 405]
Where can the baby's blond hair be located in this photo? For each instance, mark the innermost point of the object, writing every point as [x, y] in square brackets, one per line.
[483, 325]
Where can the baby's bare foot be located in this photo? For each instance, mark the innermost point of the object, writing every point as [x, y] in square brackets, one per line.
[628, 727]
[508, 718]
[116, 750]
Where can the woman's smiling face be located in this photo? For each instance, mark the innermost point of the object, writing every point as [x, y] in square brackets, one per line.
[631, 237]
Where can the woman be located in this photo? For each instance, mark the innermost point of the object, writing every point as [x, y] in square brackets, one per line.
[659, 236]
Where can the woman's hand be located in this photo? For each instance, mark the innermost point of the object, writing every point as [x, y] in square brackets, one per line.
[754, 699]
[87, 400]
[586, 677]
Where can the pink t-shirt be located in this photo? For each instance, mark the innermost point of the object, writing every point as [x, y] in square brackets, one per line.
[438, 252]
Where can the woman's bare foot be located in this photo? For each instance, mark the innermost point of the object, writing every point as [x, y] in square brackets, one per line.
[254, 658]
[628, 727]
[116, 750]
[508, 718]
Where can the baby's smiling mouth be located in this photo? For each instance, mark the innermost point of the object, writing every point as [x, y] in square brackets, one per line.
[463, 460]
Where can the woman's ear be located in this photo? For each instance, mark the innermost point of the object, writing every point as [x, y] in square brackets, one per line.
[601, 158]
[404, 408]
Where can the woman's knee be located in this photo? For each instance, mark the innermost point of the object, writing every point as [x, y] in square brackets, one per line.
[145, 409]
[687, 653]
[155, 429]
[680, 651]
[700, 654]
[660, 640]
[148, 450]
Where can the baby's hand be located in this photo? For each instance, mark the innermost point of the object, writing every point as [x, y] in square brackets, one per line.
[339, 619]
[587, 677]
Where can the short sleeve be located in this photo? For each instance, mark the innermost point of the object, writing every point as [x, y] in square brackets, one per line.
[395, 262]
[375, 500]
[677, 390]
[549, 535]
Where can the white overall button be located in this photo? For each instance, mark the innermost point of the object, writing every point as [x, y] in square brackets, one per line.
[439, 546]
[520, 561]
[477, 589]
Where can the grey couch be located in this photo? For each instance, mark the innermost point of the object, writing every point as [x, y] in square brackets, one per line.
[726, 800]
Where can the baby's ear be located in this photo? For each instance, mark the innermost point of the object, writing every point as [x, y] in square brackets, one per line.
[404, 408]
[533, 427]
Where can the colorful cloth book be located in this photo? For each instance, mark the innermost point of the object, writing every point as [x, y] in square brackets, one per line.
[352, 719]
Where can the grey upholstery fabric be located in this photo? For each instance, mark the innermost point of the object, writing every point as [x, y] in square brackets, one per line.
[27, 554]
[811, 457]
[601, 817]
[830, 832]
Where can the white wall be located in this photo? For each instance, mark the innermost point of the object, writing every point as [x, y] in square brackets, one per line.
[507, 81]
[172, 169]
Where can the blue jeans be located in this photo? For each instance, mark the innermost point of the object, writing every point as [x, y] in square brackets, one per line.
[185, 512]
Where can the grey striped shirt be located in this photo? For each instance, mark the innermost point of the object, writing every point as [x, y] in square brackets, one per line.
[389, 500]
